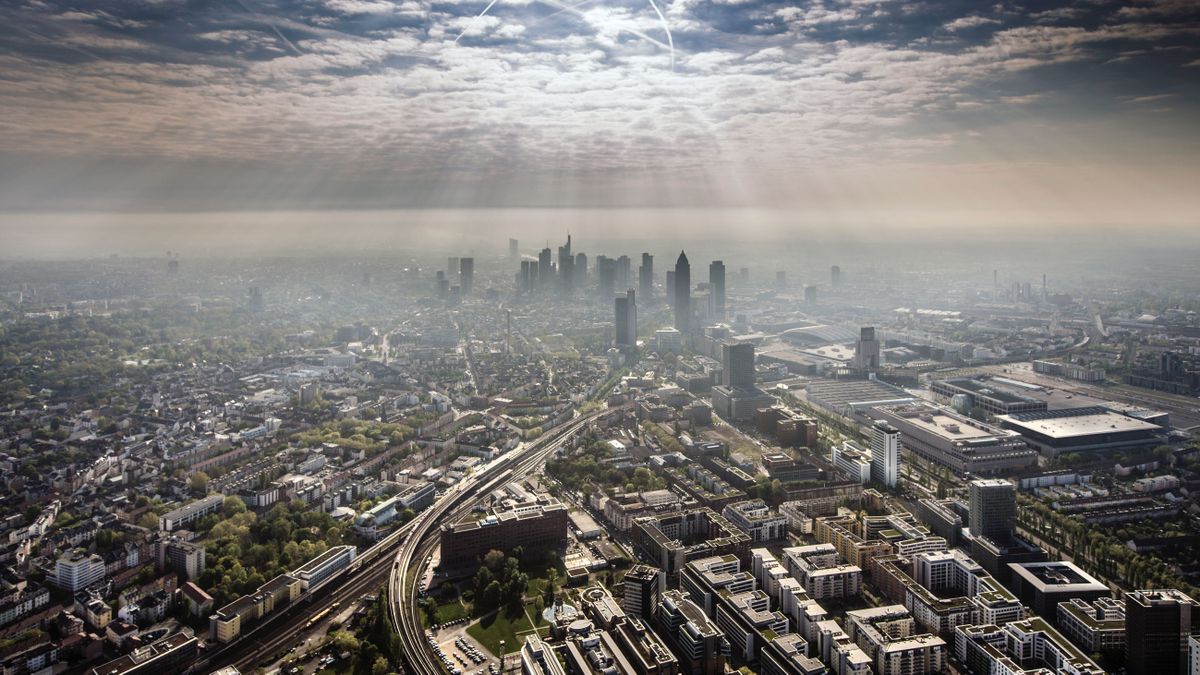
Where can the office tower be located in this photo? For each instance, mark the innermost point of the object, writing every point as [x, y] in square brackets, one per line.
[737, 364]
[866, 352]
[544, 271]
[625, 307]
[466, 276]
[744, 275]
[810, 295]
[523, 278]
[172, 265]
[781, 280]
[534, 274]
[452, 269]
[1158, 624]
[441, 285]
[993, 509]
[606, 276]
[670, 288]
[646, 277]
[256, 299]
[835, 275]
[642, 590]
[885, 454]
[624, 271]
[581, 270]
[683, 294]
[995, 284]
[566, 266]
[716, 286]
[513, 249]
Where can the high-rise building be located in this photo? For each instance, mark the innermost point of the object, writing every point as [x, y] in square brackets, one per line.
[866, 352]
[514, 250]
[523, 279]
[256, 299]
[781, 280]
[744, 275]
[683, 294]
[441, 285]
[544, 271]
[452, 269]
[670, 288]
[624, 271]
[606, 276]
[466, 275]
[643, 587]
[581, 269]
[885, 454]
[566, 268]
[993, 508]
[646, 277]
[810, 295]
[716, 285]
[737, 364]
[835, 275]
[1158, 624]
[625, 308]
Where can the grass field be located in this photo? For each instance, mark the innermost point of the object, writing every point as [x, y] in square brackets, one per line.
[504, 625]
[446, 611]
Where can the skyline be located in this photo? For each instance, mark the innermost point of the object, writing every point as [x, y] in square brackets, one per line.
[842, 115]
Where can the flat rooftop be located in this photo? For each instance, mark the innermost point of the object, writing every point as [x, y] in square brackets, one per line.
[842, 392]
[988, 389]
[1077, 423]
[1058, 576]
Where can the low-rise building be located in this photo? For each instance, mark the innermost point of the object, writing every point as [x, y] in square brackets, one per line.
[1097, 626]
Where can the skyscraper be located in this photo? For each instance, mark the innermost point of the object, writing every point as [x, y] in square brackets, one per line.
[606, 276]
[544, 271]
[885, 454]
[513, 249]
[452, 269]
[993, 509]
[683, 295]
[866, 352]
[1157, 626]
[670, 285]
[737, 364]
[835, 275]
[716, 283]
[624, 271]
[466, 275]
[580, 270]
[646, 277]
[781, 280]
[625, 309]
[810, 295]
[566, 268]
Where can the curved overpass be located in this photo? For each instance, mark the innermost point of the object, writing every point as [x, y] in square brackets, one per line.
[406, 569]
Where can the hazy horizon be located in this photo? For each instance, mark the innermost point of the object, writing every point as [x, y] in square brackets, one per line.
[952, 119]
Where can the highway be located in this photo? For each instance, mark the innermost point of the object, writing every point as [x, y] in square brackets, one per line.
[407, 568]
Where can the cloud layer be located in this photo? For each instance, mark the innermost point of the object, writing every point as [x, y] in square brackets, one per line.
[878, 106]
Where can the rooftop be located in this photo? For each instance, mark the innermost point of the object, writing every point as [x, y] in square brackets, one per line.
[1077, 422]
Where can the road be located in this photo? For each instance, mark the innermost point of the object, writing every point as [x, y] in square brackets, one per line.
[405, 574]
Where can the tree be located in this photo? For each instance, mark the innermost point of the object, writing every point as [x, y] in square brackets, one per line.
[198, 482]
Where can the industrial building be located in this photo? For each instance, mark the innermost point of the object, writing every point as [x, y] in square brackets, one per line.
[966, 446]
[1084, 429]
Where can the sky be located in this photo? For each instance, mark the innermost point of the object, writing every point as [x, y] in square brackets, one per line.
[875, 115]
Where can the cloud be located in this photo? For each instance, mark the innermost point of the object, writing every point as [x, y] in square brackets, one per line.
[376, 102]
[968, 22]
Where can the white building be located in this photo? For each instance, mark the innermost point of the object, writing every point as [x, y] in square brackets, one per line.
[885, 454]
